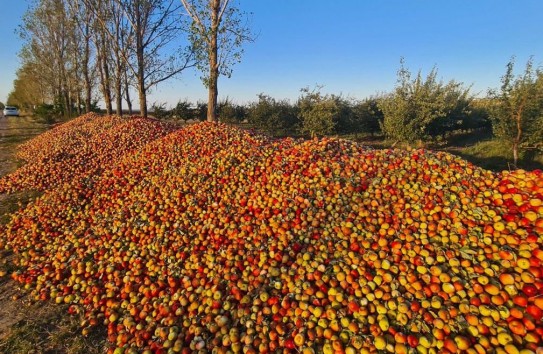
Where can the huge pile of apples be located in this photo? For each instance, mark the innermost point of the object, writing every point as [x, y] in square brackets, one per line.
[213, 239]
[79, 149]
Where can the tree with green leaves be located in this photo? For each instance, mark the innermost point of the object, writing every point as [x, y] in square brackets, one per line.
[367, 116]
[200, 112]
[183, 110]
[231, 112]
[218, 31]
[420, 109]
[28, 89]
[58, 61]
[47, 32]
[517, 116]
[272, 115]
[319, 114]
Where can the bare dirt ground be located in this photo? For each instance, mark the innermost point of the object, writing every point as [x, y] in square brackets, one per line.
[12, 306]
[13, 131]
[29, 326]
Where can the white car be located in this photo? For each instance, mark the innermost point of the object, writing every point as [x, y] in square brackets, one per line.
[11, 111]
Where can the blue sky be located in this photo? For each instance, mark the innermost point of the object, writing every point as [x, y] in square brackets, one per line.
[351, 47]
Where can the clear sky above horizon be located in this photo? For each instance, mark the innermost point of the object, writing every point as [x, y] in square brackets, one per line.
[350, 47]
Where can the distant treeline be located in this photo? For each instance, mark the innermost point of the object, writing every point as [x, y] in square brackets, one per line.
[317, 114]
[420, 109]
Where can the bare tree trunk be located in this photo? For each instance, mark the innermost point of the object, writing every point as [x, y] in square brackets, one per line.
[118, 67]
[119, 90]
[213, 63]
[88, 93]
[107, 88]
[70, 102]
[105, 73]
[60, 98]
[67, 103]
[127, 95]
[79, 104]
[143, 99]
[87, 78]
[119, 101]
[65, 89]
[217, 43]
[518, 138]
[74, 82]
[107, 79]
[101, 72]
[515, 153]
[104, 79]
[141, 82]
[141, 63]
[212, 99]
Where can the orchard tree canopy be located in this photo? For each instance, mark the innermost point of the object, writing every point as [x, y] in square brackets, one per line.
[419, 107]
[517, 116]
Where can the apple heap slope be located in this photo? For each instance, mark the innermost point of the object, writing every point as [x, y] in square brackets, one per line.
[212, 238]
[78, 149]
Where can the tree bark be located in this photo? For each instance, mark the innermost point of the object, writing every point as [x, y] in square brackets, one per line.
[88, 88]
[119, 88]
[101, 74]
[107, 87]
[142, 90]
[119, 43]
[79, 103]
[104, 78]
[143, 100]
[518, 138]
[67, 103]
[119, 100]
[515, 153]
[141, 84]
[105, 68]
[213, 63]
[127, 95]
[86, 71]
[212, 99]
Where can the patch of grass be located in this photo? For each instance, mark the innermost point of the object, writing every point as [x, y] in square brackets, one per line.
[497, 156]
[49, 329]
[490, 148]
[468, 138]
[489, 154]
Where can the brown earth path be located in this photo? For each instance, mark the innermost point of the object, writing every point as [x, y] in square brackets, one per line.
[13, 132]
